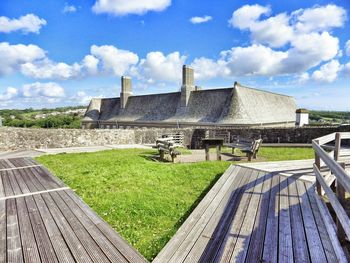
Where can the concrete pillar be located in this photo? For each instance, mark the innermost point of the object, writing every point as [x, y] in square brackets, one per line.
[302, 117]
[126, 91]
[187, 85]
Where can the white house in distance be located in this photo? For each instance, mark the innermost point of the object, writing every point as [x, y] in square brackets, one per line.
[302, 117]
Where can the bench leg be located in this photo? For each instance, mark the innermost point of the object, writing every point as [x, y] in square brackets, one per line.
[218, 152]
[254, 155]
[249, 156]
[161, 155]
[173, 158]
[206, 152]
[233, 151]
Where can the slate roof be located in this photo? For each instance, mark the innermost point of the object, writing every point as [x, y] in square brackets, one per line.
[236, 105]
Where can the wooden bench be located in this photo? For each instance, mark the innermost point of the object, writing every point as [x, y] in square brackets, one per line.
[167, 146]
[251, 148]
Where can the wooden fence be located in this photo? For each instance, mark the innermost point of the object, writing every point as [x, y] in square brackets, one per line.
[331, 156]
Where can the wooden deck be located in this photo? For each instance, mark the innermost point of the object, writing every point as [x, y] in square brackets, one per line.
[42, 220]
[252, 215]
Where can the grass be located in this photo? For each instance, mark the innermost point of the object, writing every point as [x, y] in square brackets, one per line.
[145, 201]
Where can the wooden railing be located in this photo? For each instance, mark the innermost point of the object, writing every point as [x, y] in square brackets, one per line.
[337, 173]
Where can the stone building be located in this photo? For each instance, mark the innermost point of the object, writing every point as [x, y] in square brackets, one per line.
[236, 106]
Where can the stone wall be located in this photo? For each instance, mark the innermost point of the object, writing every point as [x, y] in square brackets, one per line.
[25, 138]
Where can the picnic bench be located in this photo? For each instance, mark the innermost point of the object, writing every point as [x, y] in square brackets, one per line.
[167, 145]
[250, 148]
[213, 143]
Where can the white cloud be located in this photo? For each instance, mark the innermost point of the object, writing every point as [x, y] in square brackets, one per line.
[159, 67]
[13, 56]
[347, 48]
[47, 69]
[319, 18]
[346, 69]
[90, 63]
[29, 23]
[124, 7]
[247, 15]
[47, 90]
[69, 9]
[200, 19]
[114, 60]
[328, 72]
[205, 68]
[9, 94]
[303, 78]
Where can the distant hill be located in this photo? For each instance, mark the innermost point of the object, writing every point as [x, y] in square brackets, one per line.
[329, 117]
[63, 117]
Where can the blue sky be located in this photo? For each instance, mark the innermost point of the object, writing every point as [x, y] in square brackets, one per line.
[57, 53]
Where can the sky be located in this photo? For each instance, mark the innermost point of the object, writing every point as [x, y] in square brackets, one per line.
[62, 53]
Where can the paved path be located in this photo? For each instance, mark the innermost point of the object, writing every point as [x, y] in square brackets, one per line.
[42, 220]
[254, 216]
[39, 152]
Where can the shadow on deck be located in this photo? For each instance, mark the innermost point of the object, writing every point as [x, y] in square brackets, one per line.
[256, 216]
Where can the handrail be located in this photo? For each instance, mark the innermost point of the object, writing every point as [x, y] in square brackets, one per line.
[339, 174]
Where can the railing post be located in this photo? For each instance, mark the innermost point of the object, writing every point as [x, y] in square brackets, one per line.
[337, 146]
[341, 197]
[318, 164]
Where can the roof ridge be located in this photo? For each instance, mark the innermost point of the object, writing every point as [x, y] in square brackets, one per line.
[266, 91]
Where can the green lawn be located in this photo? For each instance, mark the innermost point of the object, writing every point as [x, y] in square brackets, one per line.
[145, 201]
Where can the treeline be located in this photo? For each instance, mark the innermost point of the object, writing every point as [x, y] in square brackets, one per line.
[332, 115]
[59, 121]
[26, 118]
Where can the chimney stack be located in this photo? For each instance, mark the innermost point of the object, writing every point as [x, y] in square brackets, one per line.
[126, 91]
[187, 84]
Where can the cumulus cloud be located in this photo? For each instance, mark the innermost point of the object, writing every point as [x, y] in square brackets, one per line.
[159, 67]
[9, 94]
[200, 19]
[47, 69]
[328, 72]
[205, 68]
[13, 56]
[347, 48]
[125, 7]
[114, 60]
[29, 23]
[346, 69]
[319, 18]
[47, 90]
[69, 9]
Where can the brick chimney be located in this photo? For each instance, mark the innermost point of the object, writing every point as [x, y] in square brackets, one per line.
[126, 91]
[187, 84]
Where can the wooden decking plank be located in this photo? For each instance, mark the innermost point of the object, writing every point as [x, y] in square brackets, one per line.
[226, 249]
[30, 179]
[125, 249]
[62, 251]
[285, 249]
[193, 218]
[75, 245]
[86, 240]
[324, 235]
[7, 185]
[331, 230]
[14, 247]
[270, 252]
[312, 236]
[14, 184]
[256, 245]
[109, 250]
[45, 176]
[29, 245]
[247, 229]
[300, 248]
[3, 232]
[2, 190]
[210, 240]
[42, 238]
[180, 253]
